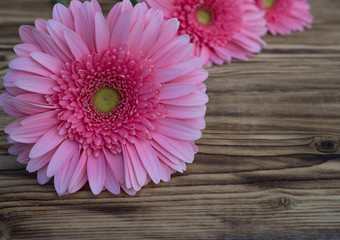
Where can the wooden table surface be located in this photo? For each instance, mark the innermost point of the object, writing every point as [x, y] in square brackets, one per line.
[268, 165]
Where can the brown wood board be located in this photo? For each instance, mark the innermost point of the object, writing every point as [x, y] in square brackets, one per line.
[269, 159]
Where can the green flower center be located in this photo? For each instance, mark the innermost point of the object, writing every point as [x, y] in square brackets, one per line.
[268, 3]
[204, 16]
[106, 99]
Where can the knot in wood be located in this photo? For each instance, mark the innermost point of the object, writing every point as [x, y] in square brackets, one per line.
[326, 144]
[285, 202]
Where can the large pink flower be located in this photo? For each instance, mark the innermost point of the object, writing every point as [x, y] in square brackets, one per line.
[116, 102]
[220, 29]
[285, 16]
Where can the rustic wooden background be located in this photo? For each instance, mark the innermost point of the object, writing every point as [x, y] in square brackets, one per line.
[269, 160]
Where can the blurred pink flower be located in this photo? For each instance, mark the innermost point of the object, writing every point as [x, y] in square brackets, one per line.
[117, 102]
[220, 29]
[285, 16]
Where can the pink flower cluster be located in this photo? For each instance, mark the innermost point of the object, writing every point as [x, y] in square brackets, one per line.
[224, 29]
[120, 101]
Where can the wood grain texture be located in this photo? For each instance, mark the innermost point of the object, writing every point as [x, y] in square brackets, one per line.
[269, 160]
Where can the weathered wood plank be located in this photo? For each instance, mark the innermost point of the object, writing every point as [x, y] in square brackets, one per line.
[269, 160]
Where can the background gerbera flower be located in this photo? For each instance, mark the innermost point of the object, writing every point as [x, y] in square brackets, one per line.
[117, 102]
[285, 16]
[220, 29]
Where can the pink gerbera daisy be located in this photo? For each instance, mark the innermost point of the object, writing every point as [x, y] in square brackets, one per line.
[220, 29]
[117, 102]
[285, 16]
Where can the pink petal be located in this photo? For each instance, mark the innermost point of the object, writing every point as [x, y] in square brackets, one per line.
[116, 163]
[36, 84]
[166, 6]
[102, 33]
[47, 44]
[196, 77]
[130, 176]
[167, 33]
[63, 154]
[168, 155]
[40, 24]
[18, 108]
[137, 168]
[25, 105]
[150, 35]
[29, 65]
[13, 90]
[149, 159]
[26, 34]
[129, 191]
[205, 54]
[14, 74]
[165, 172]
[247, 43]
[111, 182]
[127, 5]
[198, 123]
[29, 133]
[40, 119]
[121, 30]
[185, 112]
[175, 90]
[8, 106]
[89, 16]
[10, 141]
[46, 143]
[82, 29]
[23, 157]
[51, 63]
[63, 177]
[181, 149]
[18, 148]
[176, 46]
[96, 7]
[24, 50]
[180, 166]
[56, 31]
[35, 99]
[178, 130]
[37, 163]
[42, 176]
[13, 126]
[96, 172]
[79, 177]
[74, 5]
[135, 36]
[173, 52]
[63, 15]
[138, 13]
[188, 66]
[77, 46]
[193, 99]
[113, 16]
[167, 74]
